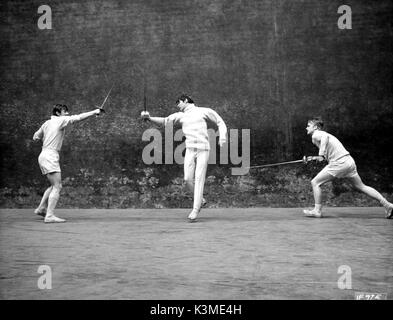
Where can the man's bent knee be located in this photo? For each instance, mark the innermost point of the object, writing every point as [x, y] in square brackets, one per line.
[315, 183]
[57, 187]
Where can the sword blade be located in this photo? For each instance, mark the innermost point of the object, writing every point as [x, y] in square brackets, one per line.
[106, 98]
[276, 164]
[144, 93]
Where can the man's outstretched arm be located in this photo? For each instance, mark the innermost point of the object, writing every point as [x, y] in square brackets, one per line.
[86, 115]
[79, 117]
[157, 120]
[160, 120]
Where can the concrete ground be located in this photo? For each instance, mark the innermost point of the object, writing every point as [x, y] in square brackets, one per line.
[258, 253]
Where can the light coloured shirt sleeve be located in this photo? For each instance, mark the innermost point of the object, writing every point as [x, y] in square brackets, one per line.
[173, 118]
[66, 120]
[215, 117]
[324, 138]
[38, 134]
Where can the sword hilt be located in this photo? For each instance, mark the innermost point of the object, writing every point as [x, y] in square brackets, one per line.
[314, 158]
[102, 111]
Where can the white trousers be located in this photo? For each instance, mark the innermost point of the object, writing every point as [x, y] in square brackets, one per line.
[195, 166]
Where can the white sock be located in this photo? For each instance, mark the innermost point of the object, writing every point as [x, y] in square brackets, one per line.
[52, 201]
[41, 207]
[385, 202]
[318, 207]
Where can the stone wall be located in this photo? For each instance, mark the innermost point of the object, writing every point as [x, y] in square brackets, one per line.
[262, 65]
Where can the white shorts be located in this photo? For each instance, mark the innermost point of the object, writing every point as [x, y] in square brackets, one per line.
[342, 168]
[48, 161]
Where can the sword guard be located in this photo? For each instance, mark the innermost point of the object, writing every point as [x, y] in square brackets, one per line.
[102, 111]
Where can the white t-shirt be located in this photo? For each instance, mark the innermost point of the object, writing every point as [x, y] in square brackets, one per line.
[53, 130]
[329, 146]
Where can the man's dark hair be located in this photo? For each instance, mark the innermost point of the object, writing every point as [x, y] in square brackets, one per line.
[183, 98]
[58, 107]
[317, 121]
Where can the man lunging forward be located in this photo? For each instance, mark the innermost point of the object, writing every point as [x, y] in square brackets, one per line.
[193, 120]
[340, 165]
[52, 135]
